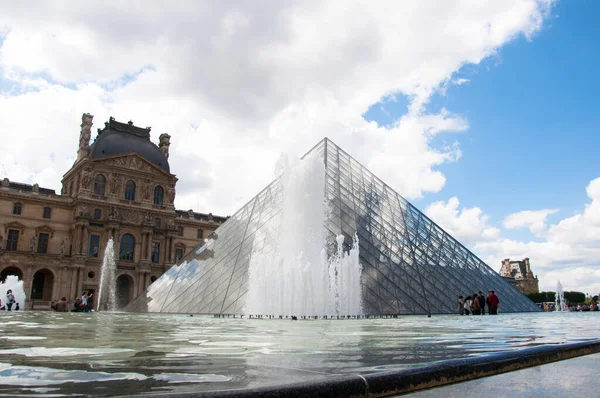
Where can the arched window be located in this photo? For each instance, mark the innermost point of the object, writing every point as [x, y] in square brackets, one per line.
[97, 214]
[127, 247]
[99, 184]
[158, 195]
[130, 190]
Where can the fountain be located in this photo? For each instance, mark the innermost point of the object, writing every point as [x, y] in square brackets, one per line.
[559, 299]
[293, 275]
[106, 292]
[13, 283]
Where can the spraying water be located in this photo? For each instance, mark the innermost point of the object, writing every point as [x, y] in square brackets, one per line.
[292, 274]
[559, 299]
[106, 292]
[13, 283]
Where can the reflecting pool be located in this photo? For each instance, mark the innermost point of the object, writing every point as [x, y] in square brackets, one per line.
[49, 354]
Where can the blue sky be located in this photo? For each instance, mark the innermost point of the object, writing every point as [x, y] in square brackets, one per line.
[534, 122]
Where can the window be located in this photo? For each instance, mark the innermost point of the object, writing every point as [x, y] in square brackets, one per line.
[94, 245]
[13, 239]
[200, 234]
[180, 231]
[157, 223]
[99, 184]
[47, 212]
[158, 195]
[97, 214]
[43, 243]
[130, 190]
[155, 251]
[178, 254]
[127, 246]
[17, 207]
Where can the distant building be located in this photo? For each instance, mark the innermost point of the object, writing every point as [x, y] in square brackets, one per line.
[120, 186]
[518, 273]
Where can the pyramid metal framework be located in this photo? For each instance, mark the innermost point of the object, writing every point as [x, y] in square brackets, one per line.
[410, 264]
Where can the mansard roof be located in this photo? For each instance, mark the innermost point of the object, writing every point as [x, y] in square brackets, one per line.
[122, 138]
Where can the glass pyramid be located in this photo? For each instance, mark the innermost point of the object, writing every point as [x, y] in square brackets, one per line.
[409, 264]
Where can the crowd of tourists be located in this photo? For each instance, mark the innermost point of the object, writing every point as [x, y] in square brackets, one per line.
[10, 301]
[81, 304]
[477, 303]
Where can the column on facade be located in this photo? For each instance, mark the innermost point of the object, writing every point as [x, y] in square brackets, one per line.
[80, 276]
[77, 240]
[28, 280]
[149, 247]
[168, 250]
[63, 285]
[163, 250]
[143, 246]
[85, 243]
[74, 278]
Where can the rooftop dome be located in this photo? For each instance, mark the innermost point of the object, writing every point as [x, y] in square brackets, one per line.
[121, 138]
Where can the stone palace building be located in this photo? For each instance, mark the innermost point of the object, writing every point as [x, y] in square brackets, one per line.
[518, 274]
[120, 186]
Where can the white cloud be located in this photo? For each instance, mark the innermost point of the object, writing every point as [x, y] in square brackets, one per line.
[236, 83]
[468, 225]
[460, 81]
[535, 220]
[569, 251]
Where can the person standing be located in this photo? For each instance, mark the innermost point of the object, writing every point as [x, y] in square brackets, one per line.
[467, 305]
[84, 302]
[10, 300]
[481, 302]
[461, 308]
[475, 306]
[492, 303]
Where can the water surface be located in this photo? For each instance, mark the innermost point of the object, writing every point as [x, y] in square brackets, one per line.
[57, 354]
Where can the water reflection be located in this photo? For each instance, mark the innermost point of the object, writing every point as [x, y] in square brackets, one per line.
[119, 353]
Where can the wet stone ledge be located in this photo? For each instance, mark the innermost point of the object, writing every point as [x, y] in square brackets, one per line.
[398, 382]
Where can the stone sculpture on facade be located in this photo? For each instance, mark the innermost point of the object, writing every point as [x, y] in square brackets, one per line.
[171, 194]
[147, 189]
[85, 178]
[114, 213]
[115, 184]
[164, 142]
[32, 244]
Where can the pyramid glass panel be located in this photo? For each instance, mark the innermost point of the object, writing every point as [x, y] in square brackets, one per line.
[408, 264]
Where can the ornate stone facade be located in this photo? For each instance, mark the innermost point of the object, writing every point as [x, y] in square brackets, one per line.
[519, 274]
[120, 187]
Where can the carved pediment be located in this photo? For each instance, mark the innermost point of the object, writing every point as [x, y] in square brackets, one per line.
[44, 229]
[14, 225]
[131, 161]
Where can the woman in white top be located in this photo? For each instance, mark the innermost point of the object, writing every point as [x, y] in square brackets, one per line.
[467, 305]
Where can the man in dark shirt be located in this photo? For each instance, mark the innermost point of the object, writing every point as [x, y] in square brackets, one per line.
[492, 303]
[481, 301]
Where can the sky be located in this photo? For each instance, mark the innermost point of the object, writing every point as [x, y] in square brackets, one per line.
[481, 113]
